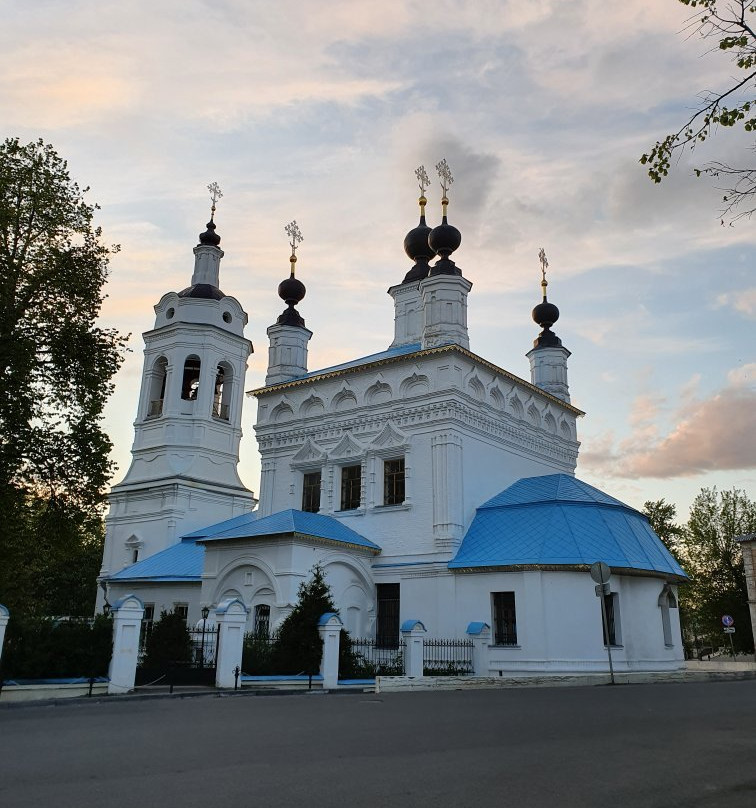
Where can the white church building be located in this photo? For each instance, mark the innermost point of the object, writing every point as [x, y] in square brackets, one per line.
[430, 484]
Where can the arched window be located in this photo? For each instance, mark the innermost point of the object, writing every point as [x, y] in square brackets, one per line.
[157, 380]
[191, 379]
[222, 394]
[667, 601]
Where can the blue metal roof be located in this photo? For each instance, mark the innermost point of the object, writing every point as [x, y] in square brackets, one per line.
[290, 521]
[391, 353]
[561, 521]
[228, 524]
[181, 562]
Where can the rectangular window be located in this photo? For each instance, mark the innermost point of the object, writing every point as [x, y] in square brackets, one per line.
[181, 609]
[387, 616]
[612, 619]
[393, 481]
[350, 487]
[504, 618]
[311, 492]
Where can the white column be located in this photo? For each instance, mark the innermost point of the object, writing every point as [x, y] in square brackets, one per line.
[4, 617]
[231, 617]
[446, 462]
[413, 634]
[480, 634]
[127, 622]
[329, 627]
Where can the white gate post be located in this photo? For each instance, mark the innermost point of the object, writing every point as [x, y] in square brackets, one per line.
[231, 616]
[480, 634]
[413, 634]
[127, 623]
[329, 627]
[4, 616]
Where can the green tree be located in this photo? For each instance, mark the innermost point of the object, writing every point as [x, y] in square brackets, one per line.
[56, 367]
[168, 642]
[299, 647]
[662, 515]
[713, 560]
[730, 24]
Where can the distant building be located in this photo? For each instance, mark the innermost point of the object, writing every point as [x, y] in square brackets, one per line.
[428, 483]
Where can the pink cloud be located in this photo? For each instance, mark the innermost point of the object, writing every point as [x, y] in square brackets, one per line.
[717, 434]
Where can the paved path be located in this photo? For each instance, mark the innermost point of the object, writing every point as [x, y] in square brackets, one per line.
[664, 745]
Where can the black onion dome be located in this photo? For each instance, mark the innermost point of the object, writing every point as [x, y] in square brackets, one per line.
[444, 239]
[291, 291]
[418, 250]
[545, 314]
[210, 238]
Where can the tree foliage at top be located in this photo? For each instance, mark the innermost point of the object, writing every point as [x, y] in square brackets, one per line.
[56, 367]
[730, 23]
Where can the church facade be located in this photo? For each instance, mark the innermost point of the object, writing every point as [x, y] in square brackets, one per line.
[427, 482]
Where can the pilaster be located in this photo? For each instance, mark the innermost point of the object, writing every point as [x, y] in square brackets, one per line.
[446, 461]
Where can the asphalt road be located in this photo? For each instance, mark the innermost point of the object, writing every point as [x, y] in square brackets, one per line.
[662, 745]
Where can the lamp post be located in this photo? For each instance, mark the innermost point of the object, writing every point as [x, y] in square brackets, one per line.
[205, 613]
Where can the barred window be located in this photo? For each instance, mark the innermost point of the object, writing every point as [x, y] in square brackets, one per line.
[393, 481]
[350, 487]
[504, 618]
[311, 492]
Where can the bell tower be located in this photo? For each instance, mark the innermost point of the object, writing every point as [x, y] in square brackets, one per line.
[183, 472]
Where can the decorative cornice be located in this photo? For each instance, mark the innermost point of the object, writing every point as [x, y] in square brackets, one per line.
[393, 360]
[513, 432]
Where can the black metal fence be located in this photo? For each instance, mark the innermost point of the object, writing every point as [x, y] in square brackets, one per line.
[367, 657]
[447, 657]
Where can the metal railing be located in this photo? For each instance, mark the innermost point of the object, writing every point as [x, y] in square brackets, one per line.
[447, 657]
[367, 657]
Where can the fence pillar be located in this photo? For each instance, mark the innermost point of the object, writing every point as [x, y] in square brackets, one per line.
[4, 616]
[413, 634]
[480, 634]
[329, 627]
[127, 623]
[231, 616]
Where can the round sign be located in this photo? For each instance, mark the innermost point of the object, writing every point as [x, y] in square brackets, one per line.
[600, 572]
[727, 620]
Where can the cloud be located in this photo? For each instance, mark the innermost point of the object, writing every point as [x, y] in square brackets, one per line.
[743, 301]
[715, 434]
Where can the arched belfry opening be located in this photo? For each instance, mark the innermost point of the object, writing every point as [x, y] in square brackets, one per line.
[191, 378]
[157, 379]
[222, 394]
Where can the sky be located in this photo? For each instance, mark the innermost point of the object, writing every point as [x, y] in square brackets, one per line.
[320, 111]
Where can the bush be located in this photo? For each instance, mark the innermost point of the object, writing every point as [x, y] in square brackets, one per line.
[49, 648]
[168, 642]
